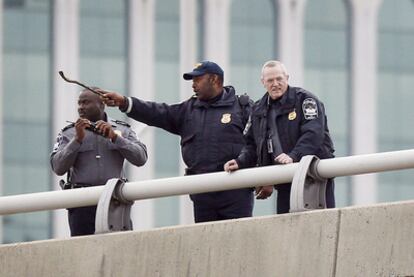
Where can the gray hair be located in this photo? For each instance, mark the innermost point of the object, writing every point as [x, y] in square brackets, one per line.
[275, 63]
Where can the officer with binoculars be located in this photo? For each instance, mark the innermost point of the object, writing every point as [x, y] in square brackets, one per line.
[91, 151]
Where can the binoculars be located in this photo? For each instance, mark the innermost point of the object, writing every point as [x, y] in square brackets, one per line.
[93, 128]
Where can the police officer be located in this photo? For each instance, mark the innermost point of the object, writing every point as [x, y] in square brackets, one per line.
[92, 151]
[211, 125]
[287, 124]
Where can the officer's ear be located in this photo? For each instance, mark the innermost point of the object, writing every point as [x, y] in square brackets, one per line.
[215, 79]
[101, 105]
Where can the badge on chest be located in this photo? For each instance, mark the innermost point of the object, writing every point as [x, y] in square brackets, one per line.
[292, 115]
[226, 118]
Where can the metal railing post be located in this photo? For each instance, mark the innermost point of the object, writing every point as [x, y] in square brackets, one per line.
[113, 210]
[308, 188]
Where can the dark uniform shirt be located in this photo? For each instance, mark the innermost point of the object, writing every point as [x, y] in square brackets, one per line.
[302, 128]
[211, 134]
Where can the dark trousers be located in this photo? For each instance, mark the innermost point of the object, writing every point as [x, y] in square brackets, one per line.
[82, 221]
[283, 196]
[221, 205]
[211, 206]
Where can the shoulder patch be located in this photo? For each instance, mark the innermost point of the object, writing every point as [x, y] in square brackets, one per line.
[122, 123]
[59, 140]
[310, 108]
[68, 126]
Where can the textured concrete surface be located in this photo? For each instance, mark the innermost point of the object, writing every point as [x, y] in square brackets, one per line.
[360, 241]
[376, 240]
[287, 245]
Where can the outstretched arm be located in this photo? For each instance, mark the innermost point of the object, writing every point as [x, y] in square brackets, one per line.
[151, 113]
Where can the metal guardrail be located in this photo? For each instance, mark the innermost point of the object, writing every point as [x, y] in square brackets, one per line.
[277, 174]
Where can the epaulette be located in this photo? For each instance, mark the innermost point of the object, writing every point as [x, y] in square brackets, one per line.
[68, 126]
[245, 103]
[244, 99]
[121, 123]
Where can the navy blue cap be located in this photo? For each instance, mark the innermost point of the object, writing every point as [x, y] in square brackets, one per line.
[203, 68]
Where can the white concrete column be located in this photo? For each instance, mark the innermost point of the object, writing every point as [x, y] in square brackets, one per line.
[188, 45]
[141, 21]
[364, 93]
[216, 34]
[1, 115]
[66, 58]
[290, 37]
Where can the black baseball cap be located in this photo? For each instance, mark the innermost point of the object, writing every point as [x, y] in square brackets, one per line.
[203, 68]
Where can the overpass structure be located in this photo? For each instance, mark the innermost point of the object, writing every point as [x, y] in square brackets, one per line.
[355, 241]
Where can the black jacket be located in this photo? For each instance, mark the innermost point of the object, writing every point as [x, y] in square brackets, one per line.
[211, 133]
[301, 131]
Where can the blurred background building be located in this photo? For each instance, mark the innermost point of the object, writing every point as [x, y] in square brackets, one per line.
[356, 55]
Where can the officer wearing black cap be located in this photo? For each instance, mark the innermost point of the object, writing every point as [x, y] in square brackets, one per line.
[203, 68]
[286, 124]
[91, 151]
[211, 125]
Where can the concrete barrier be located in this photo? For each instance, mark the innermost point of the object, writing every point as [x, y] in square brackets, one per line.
[361, 241]
[376, 240]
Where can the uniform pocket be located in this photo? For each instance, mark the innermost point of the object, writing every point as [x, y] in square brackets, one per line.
[229, 132]
[85, 147]
[238, 124]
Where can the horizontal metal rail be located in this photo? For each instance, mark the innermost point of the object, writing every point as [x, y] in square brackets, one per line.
[252, 177]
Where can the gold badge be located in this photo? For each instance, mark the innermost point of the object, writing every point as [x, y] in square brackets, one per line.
[226, 118]
[118, 133]
[197, 65]
[292, 115]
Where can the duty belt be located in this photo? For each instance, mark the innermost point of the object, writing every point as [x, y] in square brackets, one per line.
[195, 171]
[78, 185]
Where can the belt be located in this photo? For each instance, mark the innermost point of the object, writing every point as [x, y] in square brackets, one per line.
[79, 185]
[195, 171]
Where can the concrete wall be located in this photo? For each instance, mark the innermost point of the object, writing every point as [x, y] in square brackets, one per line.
[376, 241]
[361, 241]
